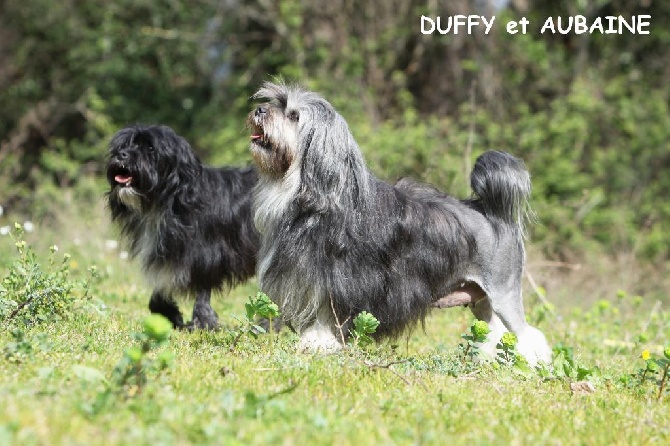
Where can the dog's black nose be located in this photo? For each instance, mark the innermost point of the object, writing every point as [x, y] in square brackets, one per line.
[261, 111]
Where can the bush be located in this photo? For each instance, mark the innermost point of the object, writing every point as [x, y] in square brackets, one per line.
[30, 294]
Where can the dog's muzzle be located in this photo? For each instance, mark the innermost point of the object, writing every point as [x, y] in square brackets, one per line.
[119, 175]
[258, 136]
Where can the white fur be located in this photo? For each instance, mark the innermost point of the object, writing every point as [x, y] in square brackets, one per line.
[272, 197]
[130, 197]
[533, 346]
[318, 338]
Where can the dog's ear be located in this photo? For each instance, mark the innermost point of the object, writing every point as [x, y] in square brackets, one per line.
[184, 172]
[332, 169]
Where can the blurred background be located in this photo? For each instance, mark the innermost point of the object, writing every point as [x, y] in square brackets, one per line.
[587, 113]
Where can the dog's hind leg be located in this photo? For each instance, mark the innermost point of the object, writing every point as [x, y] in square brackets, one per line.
[204, 316]
[532, 343]
[164, 304]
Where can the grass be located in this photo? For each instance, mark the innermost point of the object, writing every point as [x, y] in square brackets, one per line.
[220, 388]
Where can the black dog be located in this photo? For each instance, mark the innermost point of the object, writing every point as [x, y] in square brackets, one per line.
[190, 225]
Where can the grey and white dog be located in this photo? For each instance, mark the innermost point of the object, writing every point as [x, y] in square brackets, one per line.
[336, 241]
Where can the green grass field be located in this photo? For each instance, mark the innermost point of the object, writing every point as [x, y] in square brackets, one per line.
[58, 383]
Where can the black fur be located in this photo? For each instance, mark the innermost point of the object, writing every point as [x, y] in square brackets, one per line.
[190, 225]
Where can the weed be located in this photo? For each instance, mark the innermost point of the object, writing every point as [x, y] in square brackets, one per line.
[260, 307]
[365, 324]
[132, 370]
[565, 367]
[131, 374]
[656, 370]
[478, 332]
[29, 294]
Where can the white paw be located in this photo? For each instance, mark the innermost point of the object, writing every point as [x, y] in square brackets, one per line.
[533, 346]
[318, 338]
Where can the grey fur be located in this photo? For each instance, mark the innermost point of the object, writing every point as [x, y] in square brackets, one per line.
[334, 237]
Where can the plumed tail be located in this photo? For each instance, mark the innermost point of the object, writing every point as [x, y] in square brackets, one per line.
[502, 184]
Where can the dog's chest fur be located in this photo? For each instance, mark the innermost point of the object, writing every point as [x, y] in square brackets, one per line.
[149, 245]
[272, 198]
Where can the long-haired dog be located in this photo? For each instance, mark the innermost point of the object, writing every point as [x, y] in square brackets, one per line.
[336, 241]
[191, 226]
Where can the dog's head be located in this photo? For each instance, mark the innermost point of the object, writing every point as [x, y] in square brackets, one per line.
[297, 131]
[146, 163]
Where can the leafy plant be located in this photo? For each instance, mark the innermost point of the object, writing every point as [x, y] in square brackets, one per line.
[31, 294]
[564, 366]
[365, 324]
[261, 307]
[478, 332]
[657, 370]
[132, 370]
[507, 353]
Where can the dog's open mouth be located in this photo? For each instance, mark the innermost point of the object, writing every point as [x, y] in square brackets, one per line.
[120, 176]
[259, 138]
[123, 179]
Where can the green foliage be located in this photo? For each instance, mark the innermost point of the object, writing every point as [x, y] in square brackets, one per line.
[22, 347]
[589, 116]
[564, 366]
[656, 370]
[365, 324]
[133, 369]
[31, 294]
[398, 393]
[139, 365]
[507, 348]
[260, 307]
[478, 332]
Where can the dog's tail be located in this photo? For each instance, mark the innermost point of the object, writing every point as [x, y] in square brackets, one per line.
[502, 184]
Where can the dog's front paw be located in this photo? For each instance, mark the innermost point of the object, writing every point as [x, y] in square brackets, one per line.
[204, 318]
[197, 324]
[318, 338]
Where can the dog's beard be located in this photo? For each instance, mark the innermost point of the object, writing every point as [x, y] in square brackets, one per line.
[124, 186]
[130, 197]
[274, 142]
[275, 148]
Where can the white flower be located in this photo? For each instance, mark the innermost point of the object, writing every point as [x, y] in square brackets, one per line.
[4, 230]
[123, 255]
[28, 226]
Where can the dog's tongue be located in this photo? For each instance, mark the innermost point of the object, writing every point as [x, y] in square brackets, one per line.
[122, 179]
[256, 136]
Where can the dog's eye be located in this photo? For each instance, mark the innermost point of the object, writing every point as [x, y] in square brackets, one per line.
[294, 115]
